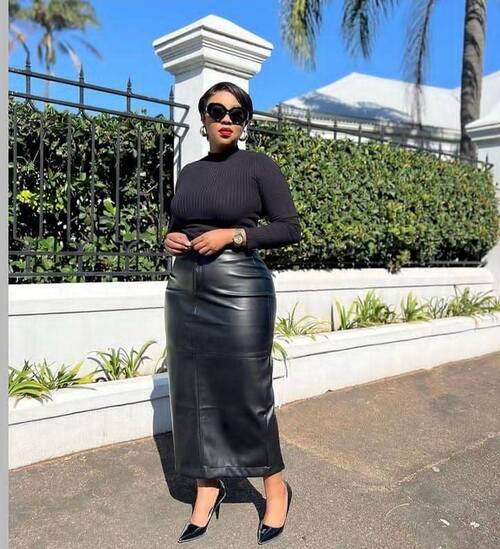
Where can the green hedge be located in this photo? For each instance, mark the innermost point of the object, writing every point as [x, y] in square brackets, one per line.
[360, 205]
[107, 128]
[376, 204]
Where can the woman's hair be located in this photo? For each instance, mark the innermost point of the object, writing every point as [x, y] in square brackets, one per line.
[241, 95]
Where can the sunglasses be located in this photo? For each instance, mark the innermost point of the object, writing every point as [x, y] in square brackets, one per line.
[217, 111]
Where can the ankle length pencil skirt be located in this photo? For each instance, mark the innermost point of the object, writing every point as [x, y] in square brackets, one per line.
[219, 321]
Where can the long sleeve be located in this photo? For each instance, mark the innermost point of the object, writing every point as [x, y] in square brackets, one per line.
[278, 206]
[173, 225]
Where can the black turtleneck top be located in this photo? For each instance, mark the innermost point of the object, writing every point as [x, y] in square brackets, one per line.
[235, 188]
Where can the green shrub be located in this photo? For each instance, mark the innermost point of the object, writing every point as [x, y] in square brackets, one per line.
[68, 173]
[371, 311]
[21, 384]
[361, 205]
[63, 377]
[373, 204]
[118, 364]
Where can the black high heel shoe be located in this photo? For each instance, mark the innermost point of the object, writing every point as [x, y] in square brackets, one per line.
[267, 533]
[192, 531]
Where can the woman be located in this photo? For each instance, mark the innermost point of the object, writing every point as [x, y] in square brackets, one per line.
[220, 307]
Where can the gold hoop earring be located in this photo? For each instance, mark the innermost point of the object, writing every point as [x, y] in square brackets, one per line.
[203, 133]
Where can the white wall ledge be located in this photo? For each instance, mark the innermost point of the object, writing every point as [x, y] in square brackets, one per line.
[117, 411]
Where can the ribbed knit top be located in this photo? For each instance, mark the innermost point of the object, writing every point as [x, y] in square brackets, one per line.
[235, 188]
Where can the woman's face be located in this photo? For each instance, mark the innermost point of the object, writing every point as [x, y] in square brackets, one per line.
[219, 140]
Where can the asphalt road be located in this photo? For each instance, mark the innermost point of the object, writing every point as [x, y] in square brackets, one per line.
[407, 462]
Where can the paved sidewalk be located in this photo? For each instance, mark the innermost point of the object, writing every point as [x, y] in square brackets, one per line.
[407, 462]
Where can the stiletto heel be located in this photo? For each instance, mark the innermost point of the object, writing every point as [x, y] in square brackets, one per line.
[192, 531]
[267, 533]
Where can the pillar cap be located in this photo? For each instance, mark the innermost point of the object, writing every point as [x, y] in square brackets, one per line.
[213, 42]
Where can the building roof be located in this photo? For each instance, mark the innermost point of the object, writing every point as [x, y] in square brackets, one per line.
[368, 97]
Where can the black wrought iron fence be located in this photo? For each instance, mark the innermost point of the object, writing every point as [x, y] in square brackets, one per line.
[90, 186]
[89, 190]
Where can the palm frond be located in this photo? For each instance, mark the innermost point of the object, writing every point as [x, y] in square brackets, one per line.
[66, 48]
[360, 20]
[300, 21]
[89, 46]
[416, 52]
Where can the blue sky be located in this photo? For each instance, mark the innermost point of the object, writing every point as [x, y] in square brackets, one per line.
[128, 27]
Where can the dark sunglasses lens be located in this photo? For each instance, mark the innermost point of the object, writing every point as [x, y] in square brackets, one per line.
[216, 112]
[237, 115]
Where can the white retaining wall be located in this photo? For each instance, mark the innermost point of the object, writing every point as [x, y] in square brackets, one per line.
[64, 322]
[114, 411]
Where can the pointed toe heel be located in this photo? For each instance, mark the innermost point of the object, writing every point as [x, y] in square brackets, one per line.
[267, 533]
[192, 531]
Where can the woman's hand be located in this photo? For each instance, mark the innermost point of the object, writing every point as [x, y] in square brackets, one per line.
[212, 241]
[177, 243]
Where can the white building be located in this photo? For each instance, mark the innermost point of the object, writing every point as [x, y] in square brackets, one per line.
[374, 104]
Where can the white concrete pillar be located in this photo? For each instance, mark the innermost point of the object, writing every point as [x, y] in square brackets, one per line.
[485, 132]
[199, 55]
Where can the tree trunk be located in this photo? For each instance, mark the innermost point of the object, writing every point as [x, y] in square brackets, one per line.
[472, 73]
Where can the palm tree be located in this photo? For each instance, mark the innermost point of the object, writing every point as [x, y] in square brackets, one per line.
[301, 19]
[54, 17]
[18, 36]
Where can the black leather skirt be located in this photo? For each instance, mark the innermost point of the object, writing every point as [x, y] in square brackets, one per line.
[219, 319]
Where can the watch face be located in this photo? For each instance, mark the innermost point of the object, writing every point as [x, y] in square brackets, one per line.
[238, 239]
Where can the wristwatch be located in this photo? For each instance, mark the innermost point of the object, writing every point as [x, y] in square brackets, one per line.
[238, 237]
